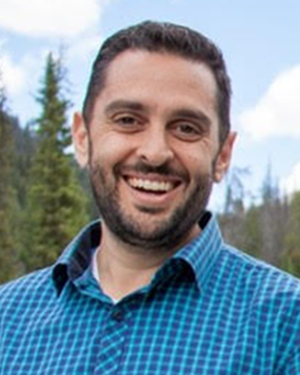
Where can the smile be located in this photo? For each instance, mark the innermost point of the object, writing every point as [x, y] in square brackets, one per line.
[151, 186]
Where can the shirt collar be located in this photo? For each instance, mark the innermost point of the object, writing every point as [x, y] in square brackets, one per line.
[77, 256]
[200, 254]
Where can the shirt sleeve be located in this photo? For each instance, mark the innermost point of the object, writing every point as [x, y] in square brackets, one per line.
[291, 364]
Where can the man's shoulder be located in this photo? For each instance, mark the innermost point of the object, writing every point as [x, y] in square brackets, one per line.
[26, 288]
[267, 283]
[258, 270]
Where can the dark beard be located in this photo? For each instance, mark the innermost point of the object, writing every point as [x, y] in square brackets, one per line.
[170, 233]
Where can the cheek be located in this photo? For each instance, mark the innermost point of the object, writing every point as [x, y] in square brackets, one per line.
[198, 165]
[109, 149]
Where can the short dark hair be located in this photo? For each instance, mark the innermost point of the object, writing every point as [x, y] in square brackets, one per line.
[163, 37]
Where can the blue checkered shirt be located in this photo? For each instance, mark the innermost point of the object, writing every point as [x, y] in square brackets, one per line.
[209, 310]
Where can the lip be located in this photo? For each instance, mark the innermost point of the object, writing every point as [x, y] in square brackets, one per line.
[152, 199]
[154, 177]
[158, 187]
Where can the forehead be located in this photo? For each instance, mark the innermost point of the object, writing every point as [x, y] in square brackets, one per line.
[160, 79]
[141, 63]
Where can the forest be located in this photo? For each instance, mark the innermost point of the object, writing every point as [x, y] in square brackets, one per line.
[45, 199]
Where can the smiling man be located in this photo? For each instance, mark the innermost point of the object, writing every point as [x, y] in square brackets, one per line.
[151, 288]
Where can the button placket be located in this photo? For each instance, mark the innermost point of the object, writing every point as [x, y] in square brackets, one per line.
[118, 315]
[113, 341]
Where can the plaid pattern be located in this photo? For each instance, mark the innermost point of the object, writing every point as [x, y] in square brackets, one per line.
[210, 310]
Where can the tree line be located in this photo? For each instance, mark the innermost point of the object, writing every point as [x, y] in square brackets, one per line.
[268, 230]
[45, 199]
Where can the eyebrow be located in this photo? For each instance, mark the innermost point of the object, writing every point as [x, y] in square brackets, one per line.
[124, 104]
[193, 114]
[188, 113]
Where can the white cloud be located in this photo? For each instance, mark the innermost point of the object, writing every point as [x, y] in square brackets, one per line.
[57, 18]
[12, 75]
[278, 111]
[291, 183]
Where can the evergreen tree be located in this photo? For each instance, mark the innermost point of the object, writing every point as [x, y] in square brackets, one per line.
[9, 265]
[273, 218]
[233, 218]
[56, 203]
[25, 142]
[291, 257]
[252, 232]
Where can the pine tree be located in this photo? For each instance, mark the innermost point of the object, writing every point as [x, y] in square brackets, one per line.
[273, 218]
[233, 218]
[252, 232]
[291, 257]
[9, 265]
[56, 203]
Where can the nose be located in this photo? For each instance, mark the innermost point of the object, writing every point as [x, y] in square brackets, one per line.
[154, 148]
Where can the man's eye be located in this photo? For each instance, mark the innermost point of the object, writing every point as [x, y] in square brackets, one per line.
[186, 131]
[126, 120]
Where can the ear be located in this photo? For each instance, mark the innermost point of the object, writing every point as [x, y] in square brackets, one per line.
[224, 157]
[80, 140]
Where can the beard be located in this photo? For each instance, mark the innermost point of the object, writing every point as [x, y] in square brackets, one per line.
[168, 233]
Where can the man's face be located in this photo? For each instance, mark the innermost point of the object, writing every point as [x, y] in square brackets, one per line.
[153, 148]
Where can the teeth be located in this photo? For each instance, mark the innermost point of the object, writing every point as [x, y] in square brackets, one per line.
[150, 185]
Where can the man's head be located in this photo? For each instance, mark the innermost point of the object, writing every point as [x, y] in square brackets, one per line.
[169, 38]
[151, 134]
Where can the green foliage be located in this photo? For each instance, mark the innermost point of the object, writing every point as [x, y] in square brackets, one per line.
[291, 262]
[292, 240]
[56, 207]
[83, 178]
[269, 230]
[253, 241]
[25, 145]
[291, 256]
[240, 226]
[10, 266]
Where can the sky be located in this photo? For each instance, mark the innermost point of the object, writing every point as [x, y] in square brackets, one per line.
[259, 39]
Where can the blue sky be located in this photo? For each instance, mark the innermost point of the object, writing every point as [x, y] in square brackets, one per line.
[260, 41]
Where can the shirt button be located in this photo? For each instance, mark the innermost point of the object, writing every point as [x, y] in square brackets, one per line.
[117, 315]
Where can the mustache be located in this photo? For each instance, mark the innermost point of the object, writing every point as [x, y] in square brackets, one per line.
[144, 168]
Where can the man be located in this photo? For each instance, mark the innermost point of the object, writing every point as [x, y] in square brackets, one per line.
[152, 288]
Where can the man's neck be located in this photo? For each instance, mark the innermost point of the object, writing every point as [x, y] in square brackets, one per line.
[124, 269]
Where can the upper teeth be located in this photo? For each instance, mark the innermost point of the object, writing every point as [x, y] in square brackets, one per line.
[150, 185]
